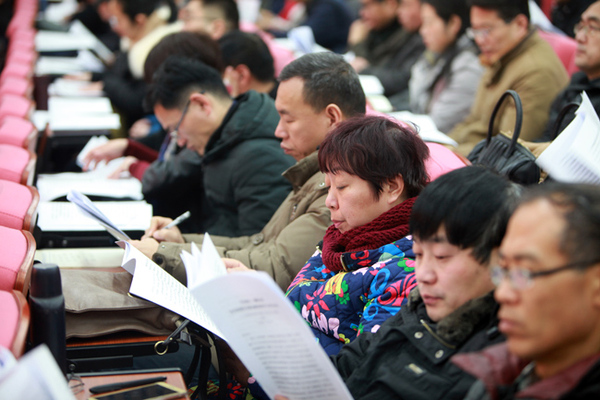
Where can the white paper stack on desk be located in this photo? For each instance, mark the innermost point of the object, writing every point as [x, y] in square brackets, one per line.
[81, 114]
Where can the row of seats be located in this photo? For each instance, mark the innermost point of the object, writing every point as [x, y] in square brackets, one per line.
[18, 198]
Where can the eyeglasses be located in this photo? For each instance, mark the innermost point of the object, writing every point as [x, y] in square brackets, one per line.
[472, 33]
[521, 278]
[175, 132]
[586, 28]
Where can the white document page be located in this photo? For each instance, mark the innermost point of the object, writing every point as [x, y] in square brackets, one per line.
[77, 105]
[427, 129]
[58, 66]
[95, 141]
[89, 209]
[202, 266]
[48, 41]
[84, 122]
[371, 84]
[92, 183]
[35, 376]
[154, 284]
[72, 88]
[93, 257]
[267, 333]
[574, 156]
[64, 216]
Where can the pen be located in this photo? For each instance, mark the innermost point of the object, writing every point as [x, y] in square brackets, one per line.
[124, 385]
[178, 220]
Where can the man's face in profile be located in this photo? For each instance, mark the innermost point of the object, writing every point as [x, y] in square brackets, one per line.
[546, 318]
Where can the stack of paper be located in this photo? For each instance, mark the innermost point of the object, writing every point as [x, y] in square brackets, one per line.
[92, 183]
[426, 128]
[65, 217]
[79, 114]
[574, 156]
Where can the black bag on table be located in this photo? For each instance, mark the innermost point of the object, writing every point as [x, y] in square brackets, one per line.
[503, 154]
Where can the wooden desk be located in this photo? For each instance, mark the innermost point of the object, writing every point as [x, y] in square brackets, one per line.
[174, 377]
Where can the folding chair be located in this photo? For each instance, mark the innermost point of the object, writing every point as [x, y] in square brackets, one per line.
[15, 317]
[17, 248]
[18, 205]
[17, 164]
[18, 132]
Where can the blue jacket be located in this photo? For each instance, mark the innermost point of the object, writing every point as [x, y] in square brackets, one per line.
[340, 306]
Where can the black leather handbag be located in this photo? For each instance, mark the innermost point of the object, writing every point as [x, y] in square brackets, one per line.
[503, 154]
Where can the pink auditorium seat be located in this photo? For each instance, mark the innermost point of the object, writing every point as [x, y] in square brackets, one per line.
[17, 164]
[442, 160]
[18, 205]
[14, 105]
[15, 317]
[564, 47]
[18, 69]
[21, 56]
[17, 86]
[18, 132]
[18, 250]
[281, 55]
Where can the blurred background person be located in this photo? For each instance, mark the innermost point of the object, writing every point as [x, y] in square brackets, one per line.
[444, 80]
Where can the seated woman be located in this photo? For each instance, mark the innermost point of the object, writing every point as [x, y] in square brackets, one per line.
[444, 80]
[457, 224]
[362, 271]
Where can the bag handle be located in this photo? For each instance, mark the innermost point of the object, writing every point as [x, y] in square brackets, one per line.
[518, 122]
[561, 116]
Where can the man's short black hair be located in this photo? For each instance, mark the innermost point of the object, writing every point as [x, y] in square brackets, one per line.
[472, 204]
[506, 9]
[179, 76]
[579, 205]
[239, 47]
[131, 8]
[328, 79]
[195, 45]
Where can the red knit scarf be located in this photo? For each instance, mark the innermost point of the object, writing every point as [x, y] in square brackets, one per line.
[390, 226]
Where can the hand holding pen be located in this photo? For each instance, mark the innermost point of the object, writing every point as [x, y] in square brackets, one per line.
[164, 229]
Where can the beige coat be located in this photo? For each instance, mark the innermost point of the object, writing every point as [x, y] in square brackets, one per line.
[534, 71]
[286, 242]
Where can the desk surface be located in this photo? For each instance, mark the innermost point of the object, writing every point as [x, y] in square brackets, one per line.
[174, 378]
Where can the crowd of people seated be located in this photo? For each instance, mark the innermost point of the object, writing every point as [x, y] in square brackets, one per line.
[431, 279]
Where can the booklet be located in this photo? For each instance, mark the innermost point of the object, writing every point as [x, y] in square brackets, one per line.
[251, 313]
[574, 156]
[88, 208]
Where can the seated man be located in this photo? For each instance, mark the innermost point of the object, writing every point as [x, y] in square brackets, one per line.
[316, 92]
[587, 59]
[377, 35]
[214, 17]
[394, 72]
[241, 163]
[457, 223]
[548, 287]
[248, 64]
[515, 58]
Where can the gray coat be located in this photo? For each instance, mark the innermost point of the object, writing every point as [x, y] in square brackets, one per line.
[443, 86]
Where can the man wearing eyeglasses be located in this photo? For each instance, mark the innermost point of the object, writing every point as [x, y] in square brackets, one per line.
[548, 287]
[516, 58]
[587, 59]
[242, 161]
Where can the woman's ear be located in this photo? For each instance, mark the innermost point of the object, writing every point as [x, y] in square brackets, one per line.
[395, 190]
